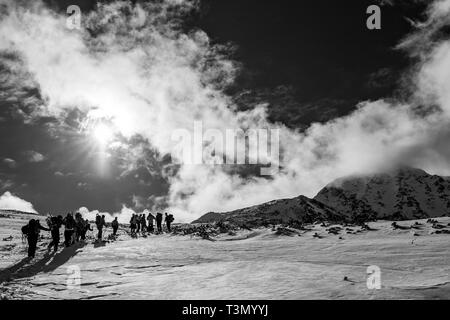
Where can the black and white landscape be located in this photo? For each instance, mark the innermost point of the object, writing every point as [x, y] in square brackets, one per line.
[303, 149]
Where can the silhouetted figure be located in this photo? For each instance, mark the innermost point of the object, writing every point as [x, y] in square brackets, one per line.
[86, 228]
[168, 219]
[150, 220]
[159, 218]
[143, 223]
[100, 222]
[79, 226]
[133, 224]
[55, 224]
[138, 223]
[32, 232]
[115, 226]
[69, 229]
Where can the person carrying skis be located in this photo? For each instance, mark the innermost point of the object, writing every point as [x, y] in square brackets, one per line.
[133, 224]
[168, 220]
[159, 218]
[150, 220]
[32, 232]
[55, 224]
[86, 228]
[143, 223]
[79, 226]
[100, 222]
[69, 229]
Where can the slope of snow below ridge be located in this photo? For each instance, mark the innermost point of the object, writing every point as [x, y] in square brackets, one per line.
[300, 209]
[404, 193]
[20, 214]
[257, 264]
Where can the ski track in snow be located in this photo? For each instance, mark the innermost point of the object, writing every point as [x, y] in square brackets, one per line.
[250, 265]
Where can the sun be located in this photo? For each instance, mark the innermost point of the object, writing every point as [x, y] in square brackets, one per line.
[102, 133]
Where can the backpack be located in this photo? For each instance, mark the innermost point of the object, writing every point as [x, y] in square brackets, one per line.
[25, 229]
[54, 223]
[170, 218]
[70, 223]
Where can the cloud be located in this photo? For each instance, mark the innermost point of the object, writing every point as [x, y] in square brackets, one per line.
[135, 66]
[123, 216]
[381, 78]
[11, 202]
[91, 215]
[63, 174]
[82, 185]
[6, 184]
[11, 163]
[34, 156]
[138, 201]
[427, 33]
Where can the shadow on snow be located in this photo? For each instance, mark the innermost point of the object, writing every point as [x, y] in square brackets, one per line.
[48, 263]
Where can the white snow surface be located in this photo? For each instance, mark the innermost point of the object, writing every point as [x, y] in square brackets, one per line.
[257, 264]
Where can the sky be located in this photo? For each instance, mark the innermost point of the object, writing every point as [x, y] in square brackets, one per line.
[87, 115]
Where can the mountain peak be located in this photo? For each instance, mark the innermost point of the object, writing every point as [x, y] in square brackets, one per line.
[400, 193]
[299, 209]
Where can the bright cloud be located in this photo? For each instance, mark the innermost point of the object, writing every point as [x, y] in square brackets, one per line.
[123, 216]
[10, 162]
[10, 201]
[34, 156]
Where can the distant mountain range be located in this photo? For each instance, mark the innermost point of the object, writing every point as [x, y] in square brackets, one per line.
[400, 194]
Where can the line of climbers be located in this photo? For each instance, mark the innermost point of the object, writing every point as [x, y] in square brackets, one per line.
[75, 228]
[140, 223]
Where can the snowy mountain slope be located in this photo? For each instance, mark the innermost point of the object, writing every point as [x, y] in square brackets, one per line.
[298, 209]
[399, 194]
[10, 213]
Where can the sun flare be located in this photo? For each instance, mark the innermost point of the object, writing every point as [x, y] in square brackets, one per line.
[102, 134]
